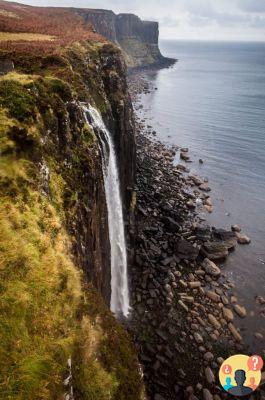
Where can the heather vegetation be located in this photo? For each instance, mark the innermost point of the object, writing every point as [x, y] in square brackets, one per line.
[47, 29]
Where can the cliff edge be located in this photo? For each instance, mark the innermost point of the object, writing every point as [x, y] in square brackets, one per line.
[58, 339]
[138, 39]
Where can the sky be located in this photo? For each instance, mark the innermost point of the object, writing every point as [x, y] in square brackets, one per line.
[187, 19]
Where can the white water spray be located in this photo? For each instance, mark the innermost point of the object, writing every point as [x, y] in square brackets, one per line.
[119, 279]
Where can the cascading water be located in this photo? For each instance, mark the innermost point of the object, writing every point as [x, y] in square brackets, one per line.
[119, 279]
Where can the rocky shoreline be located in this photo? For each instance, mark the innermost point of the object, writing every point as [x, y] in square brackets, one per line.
[184, 306]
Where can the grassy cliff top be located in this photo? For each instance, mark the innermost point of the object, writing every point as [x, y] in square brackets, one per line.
[41, 30]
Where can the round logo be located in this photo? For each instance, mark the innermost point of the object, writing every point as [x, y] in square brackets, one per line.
[240, 375]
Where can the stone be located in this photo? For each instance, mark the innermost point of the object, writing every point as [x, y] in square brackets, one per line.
[208, 202]
[171, 225]
[214, 250]
[184, 156]
[240, 310]
[208, 356]
[228, 314]
[183, 283]
[235, 332]
[213, 296]
[209, 375]
[242, 239]
[211, 268]
[220, 360]
[183, 305]
[207, 395]
[203, 232]
[194, 285]
[213, 321]
[198, 338]
[189, 390]
[185, 250]
[204, 187]
[233, 299]
[223, 235]
[191, 205]
[158, 397]
[235, 228]
[224, 300]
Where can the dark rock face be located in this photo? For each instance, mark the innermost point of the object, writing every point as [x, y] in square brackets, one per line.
[138, 39]
[103, 21]
[120, 120]
[129, 25]
[77, 158]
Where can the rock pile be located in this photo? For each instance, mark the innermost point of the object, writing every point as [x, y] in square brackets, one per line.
[183, 306]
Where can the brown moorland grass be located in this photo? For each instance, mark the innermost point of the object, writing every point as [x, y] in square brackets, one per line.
[62, 24]
[27, 37]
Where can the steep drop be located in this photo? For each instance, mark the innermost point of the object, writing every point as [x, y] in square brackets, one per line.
[119, 279]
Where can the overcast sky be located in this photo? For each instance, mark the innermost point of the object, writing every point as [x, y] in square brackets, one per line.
[187, 19]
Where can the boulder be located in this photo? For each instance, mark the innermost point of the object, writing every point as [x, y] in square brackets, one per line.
[184, 156]
[240, 310]
[242, 239]
[228, 314]
[222, 234]
[198, 338]
[235, 228]
[213, 321]
[211, 268]
[204, 187]
[194, 285]
[170, 224]
[203, 232]
[207, 395]
[185, 250]
[209, 375]
[208, 356]
[214, 250]
[213, 296]
[235, 332]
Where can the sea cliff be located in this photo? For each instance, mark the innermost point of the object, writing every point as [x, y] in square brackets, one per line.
[58, 336]
[138, 39]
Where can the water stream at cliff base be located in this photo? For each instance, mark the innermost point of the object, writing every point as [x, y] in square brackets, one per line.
[119, 280]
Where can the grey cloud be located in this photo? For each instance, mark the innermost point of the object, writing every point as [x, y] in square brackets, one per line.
[169, 22]
[252, 6]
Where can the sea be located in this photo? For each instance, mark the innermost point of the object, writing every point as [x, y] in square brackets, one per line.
[213, 102]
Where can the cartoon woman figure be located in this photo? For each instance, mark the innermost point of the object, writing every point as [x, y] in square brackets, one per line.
[228, 384]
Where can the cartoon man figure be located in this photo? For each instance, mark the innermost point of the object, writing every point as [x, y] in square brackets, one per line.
[228, 385]
[240, 389]
[252, 383]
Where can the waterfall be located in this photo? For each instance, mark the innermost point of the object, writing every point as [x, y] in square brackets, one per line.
[119, 279]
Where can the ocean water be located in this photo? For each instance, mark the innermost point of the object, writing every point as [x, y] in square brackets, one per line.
[213, 101]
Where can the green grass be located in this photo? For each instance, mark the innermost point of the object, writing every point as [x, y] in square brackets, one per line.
[47, 311]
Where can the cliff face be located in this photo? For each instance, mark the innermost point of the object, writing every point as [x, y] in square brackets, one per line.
[138, 39]
[54, 226]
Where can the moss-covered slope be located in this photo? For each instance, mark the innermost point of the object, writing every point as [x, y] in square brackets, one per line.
[53, 225]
